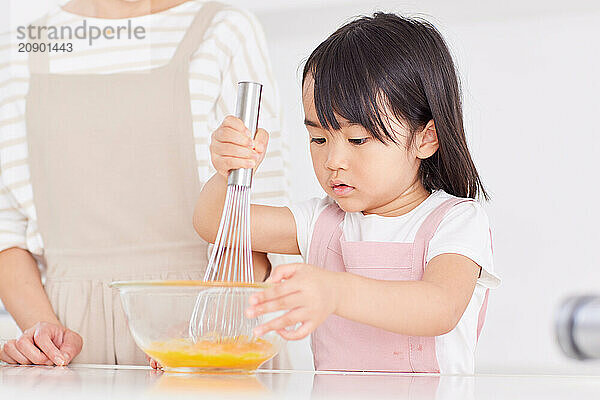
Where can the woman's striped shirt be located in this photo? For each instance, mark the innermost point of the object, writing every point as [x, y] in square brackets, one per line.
[234, 50]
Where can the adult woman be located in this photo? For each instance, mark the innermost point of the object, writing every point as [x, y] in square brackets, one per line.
[102, 153]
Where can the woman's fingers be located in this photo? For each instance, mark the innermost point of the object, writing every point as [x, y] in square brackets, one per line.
[45, 336]
[27, 348]
[71, 345]
[5, 357]
[10, 348]
[43, 344]
[154, 364]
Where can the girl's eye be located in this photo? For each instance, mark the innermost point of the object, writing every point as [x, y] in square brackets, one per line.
[358, 141]
[317, 140]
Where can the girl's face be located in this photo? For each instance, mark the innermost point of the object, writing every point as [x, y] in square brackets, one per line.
[359, 172]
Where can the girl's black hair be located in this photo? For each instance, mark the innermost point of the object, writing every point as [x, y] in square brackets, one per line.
[399, 64]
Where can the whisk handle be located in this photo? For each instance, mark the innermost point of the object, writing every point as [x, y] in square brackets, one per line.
[247, 109]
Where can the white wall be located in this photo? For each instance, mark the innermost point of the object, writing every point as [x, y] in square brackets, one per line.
[530, 79]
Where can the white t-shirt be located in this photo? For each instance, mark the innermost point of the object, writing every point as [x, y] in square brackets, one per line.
[464, 230]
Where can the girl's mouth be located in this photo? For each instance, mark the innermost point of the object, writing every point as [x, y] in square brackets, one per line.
[342, 190]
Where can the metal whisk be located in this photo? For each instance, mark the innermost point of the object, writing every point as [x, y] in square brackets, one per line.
[219, 312]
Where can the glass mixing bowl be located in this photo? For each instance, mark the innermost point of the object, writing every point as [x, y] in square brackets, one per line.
[159, 314]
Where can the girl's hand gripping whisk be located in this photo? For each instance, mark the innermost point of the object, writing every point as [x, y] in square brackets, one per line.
[232, 146]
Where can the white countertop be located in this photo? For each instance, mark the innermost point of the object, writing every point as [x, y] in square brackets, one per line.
[122, 382]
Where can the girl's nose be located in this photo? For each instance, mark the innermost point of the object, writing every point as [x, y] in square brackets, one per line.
[336, 158]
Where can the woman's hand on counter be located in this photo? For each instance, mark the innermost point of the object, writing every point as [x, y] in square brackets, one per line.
[43, 344]
[153, 363]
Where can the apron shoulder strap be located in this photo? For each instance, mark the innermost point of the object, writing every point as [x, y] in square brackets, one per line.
[197, 30]
[326, 227]
[429, 227]
[38, 61]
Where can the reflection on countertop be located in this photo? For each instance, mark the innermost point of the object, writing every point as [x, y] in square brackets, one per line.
[93, 381]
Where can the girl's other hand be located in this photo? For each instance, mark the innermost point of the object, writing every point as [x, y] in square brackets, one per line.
[232, 146]
[43, 344]
[307, 292]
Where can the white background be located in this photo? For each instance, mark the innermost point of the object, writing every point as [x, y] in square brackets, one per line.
[530, 80]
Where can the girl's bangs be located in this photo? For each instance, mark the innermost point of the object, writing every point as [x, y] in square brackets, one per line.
[345, 85]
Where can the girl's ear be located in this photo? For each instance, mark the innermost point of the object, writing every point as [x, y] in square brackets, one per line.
[427, 141]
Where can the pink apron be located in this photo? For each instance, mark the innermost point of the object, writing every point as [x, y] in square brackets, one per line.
[341, 344]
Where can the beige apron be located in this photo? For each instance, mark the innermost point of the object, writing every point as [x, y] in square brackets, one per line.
[115, 181]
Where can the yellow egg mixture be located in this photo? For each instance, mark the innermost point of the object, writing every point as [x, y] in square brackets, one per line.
[238, 354]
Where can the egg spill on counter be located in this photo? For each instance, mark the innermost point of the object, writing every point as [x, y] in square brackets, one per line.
[235, 354]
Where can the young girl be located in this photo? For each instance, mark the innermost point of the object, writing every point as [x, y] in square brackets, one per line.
[399, 255]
